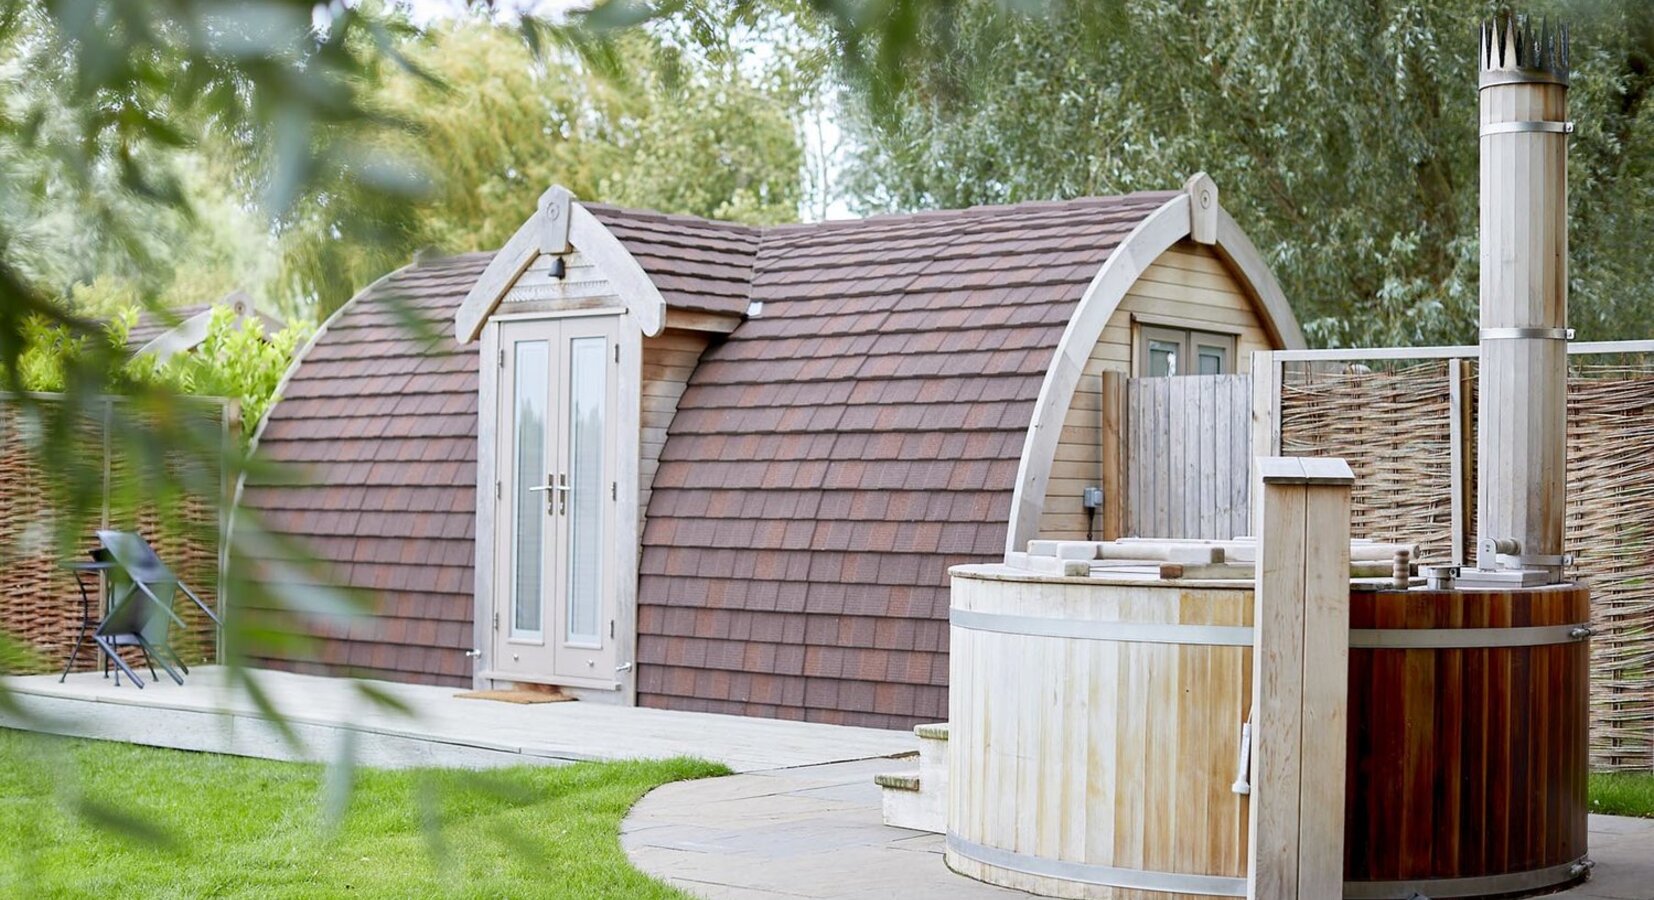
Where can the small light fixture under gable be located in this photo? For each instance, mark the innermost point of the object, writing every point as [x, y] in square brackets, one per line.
[755, 308]
[559, 268]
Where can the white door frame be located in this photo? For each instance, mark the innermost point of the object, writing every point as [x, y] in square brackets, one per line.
[623, 546]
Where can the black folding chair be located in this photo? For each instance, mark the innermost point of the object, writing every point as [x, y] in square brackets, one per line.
[142, 591]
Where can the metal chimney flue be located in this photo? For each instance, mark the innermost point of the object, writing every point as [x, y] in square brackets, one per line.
[1522, 376]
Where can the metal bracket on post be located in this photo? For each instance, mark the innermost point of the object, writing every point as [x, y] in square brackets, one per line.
[1528, 127]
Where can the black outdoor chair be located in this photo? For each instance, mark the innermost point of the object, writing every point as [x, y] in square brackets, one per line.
[142, 591]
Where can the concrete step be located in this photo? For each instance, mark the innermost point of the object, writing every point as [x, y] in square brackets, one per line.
[901, 781]
[905, 802]
[935, 731]
[919, 800]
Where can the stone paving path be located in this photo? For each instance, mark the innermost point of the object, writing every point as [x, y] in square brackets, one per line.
[444, 730]
[815, 831]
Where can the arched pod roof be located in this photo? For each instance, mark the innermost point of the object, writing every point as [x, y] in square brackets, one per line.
[848, 444]
[858, 434]
[380, 430]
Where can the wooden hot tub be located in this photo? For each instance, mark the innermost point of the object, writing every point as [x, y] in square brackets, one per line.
[1095, 727]
[1467, 741]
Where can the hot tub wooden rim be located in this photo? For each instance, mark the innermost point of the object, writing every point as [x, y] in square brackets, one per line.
[1502, 884]
[1093, 873]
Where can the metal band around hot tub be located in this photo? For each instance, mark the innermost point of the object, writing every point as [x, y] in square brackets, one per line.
[1086, 873]
[1479, 886]
[1090, 630]
[1450, 638]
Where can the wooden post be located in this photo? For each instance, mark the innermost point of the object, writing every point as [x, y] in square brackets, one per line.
[1460, 428]
[1266, 420]
[1115, 429]
[1300, 679]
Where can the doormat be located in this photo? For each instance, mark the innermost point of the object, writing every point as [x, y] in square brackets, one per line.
[520, 695]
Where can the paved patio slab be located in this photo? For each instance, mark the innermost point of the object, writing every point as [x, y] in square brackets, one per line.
[331, 714]
[816, 832]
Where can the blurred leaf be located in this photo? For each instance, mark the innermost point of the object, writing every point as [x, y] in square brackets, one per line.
[615, 15]
[383, 698]
[341, 778]
[121, 822]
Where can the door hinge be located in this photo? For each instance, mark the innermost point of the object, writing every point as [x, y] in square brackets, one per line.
[617, 353]
[502, 357]
[497, 492]
[611, 628]
[614, 490]
[496, 620]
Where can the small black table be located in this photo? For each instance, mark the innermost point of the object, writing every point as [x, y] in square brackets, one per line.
[93, 569]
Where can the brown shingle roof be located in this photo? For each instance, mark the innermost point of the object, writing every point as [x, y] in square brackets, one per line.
[383, 430]
[827, 464]
[696, 264]
[841, 450]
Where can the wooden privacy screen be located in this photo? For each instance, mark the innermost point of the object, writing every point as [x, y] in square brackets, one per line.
[1393, 423]
[39, 602]
[1188, 455]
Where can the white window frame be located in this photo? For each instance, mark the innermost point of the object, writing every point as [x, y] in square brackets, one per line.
[1189, 341]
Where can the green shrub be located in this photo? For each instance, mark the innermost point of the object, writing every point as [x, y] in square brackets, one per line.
[237, 361]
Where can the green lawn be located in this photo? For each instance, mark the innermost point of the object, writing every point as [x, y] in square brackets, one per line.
[1623, 794]
[234, 827]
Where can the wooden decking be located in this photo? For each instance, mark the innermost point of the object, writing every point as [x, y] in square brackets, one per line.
[329, 715]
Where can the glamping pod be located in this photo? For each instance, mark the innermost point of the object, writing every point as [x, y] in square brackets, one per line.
[707, 466]
[1101, 690]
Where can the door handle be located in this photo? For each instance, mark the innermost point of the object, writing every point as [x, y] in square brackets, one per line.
[560, 489]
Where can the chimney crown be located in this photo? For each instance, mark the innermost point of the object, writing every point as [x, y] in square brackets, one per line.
[1516, 48]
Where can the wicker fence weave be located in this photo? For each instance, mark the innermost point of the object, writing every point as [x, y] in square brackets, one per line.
[1393, 427]
[1610, 516]
[39, 600]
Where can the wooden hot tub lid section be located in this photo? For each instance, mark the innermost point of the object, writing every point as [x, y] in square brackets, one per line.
[1184, 560]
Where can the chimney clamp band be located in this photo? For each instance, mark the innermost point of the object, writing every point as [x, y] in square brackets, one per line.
[1530, 334]
[1528, 127]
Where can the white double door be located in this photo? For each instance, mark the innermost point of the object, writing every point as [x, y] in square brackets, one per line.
[554, 601]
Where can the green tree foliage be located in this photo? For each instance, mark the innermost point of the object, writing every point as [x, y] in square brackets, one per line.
[1343, 137]
[237, 360]
[650, 125]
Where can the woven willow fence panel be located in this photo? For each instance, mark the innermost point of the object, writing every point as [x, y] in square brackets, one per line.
[40, 603]
[1393, 426]
[1610, 514]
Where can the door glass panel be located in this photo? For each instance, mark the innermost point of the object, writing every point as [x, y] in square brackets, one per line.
[532, 366]
[1213, 360]
[588, 395]
[1162, 358]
